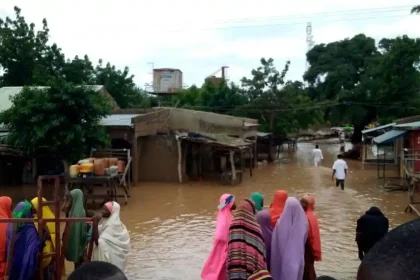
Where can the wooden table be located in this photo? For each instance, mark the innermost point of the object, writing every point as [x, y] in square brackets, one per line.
[87, 184]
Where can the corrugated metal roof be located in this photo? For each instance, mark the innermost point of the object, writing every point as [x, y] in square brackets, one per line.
[388, 137]
[118, 120]
[7, 92]
[377, 128]
[409, 126]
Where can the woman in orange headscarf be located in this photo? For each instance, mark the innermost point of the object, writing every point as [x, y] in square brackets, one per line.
[5, 213]
[277, 207]
[313, 246]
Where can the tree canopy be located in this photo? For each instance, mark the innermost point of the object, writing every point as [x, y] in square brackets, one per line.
[65, 118]
[367, 81]
[27, 58]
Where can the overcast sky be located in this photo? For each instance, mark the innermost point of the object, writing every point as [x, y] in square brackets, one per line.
[200, 36]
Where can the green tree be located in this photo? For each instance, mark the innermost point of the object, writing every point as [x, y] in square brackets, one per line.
[120, 84]
[282, 107]
[220, 97]
[187, 97]
[64, 118]
[336, 73]
[25, 57]
[79, 71]
[415, 10]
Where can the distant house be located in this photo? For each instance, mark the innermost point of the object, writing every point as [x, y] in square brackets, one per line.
[174, 144]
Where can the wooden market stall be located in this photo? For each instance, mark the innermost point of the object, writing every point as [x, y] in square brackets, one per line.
[204, 155]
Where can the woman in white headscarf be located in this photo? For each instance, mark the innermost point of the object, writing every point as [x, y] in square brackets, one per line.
[113, 238]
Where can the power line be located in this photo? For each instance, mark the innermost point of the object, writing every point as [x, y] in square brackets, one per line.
[373, 14]
[405, 8]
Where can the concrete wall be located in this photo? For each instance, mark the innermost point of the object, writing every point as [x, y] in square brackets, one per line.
[190, 120]
[158, 158]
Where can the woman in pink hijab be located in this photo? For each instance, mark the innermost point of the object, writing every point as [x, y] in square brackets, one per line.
[215, 266]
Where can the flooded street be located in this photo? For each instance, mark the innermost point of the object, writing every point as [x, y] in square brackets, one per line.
[172, 225]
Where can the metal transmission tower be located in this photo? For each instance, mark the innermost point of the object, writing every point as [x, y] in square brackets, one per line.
[309, 40]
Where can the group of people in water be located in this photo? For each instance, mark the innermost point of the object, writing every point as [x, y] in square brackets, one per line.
[112, 239]
[283, 242]
[280, 243]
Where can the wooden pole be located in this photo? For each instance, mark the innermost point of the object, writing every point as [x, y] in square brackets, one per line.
[179, 160]
[232, 165]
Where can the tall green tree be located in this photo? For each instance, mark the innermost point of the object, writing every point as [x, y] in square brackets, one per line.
[120, 84]
[336, 73]
[282, 107]
[415, 9]
[64, 118]
[25, 57]
[28, 59]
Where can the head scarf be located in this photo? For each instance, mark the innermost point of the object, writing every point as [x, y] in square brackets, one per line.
[114, 239]
[46, 214]
[5, 213]
[314, 236]
[288, 242]
[78, 231]
[263, 218]
[27, 245]
[246, 249]
[258, 200]
[277, 207]
[215, 268]
[374, 211]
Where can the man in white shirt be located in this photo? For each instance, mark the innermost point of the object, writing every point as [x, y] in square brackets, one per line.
[339, 171]
[317, 154]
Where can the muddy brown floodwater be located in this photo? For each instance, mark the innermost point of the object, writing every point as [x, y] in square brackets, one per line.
[172, 225]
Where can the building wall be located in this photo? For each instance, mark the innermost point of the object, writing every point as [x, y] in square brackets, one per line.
[158, 158]
[190, 120]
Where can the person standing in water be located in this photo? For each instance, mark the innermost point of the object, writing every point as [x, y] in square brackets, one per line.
[318, 157]
[258, 199]
[371, 227]
[339, 171]
[215, 266]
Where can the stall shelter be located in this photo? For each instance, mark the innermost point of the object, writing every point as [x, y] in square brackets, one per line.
[402, 138]
[177, 145]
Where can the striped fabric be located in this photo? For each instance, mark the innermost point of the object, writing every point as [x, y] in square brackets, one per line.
[246, 249]
[260, 275]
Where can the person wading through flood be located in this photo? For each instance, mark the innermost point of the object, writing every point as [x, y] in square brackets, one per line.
[48, 264]
[277, 207]
[263, 219]
[258, 199]
[395, 257]
[288, 243]
[77, 238]
[313, 245]
[113, 237]
[215, 266]
[317, 155]
[246, 249]
[5, 213]
[371, 227]
[339, 171]
[27, 245]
